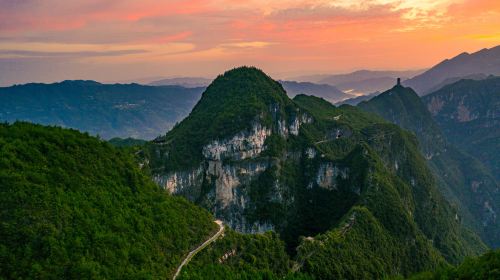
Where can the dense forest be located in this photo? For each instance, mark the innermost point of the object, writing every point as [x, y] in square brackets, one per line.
[74, 207]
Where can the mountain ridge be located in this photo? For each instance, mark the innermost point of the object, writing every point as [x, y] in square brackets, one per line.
[462, 178]
[485, 61]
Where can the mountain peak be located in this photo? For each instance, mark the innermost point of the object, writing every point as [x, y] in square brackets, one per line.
[236, 101]
[243, 82]
[486, 61]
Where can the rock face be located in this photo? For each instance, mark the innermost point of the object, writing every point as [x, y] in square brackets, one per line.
[247, 144]
[327, 175]
[230, 165]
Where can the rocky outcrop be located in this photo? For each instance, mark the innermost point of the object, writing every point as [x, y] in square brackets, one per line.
[246, 144]
[328, 174]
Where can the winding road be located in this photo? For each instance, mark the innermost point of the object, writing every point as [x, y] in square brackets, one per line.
[199, 248]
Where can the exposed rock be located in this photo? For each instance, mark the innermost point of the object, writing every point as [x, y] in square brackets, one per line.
[463, 113]
[311, 153]
[327, 175]
[246, 144]
[435, 105]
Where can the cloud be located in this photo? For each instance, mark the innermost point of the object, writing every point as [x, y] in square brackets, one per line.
[208, 35]
[21, 53]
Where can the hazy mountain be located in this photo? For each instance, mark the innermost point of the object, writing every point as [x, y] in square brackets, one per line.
[469, 113]
[189, 82]
[324, 91]
[463, 179]
[450, 81]
[361, 81]
[362, 75]
[367, 86]
[356, 100]
[117, 110]
[485, 61]
[354, 185]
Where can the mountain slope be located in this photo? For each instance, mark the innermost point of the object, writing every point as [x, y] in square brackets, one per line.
[74, 207]
[463, 179]
[469, 113]
[325, 91]
[485, 61]
[117, 110]
[483, 267]
[260, 161]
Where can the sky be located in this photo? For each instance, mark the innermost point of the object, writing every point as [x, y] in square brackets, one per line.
[123, 40]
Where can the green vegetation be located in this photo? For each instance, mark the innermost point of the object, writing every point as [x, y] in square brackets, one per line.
[229, 105]
[107, 110]
[126, 142]
[74, 207]
[467, 111]
[241, 256]
[485, 267]
[464, 181]
[350, 194]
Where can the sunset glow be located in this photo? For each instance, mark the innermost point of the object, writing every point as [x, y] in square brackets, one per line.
[117, 40]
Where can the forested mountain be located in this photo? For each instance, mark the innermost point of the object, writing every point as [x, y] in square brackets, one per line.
[462, 178]
[469, 113]
[74, 207]
[348, 193]
[485, 62]
[108, 110]
[324, 91]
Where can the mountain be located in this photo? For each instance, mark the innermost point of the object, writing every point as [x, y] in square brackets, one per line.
[462, 178]
[366, 86]
[358, 99]
[74, 207]
[483, 267]
[453, 80]
[188, 82]
[469, 113]
[324, 91]
[485, 61]
[348, 193]
[361, 81]
[107, 110]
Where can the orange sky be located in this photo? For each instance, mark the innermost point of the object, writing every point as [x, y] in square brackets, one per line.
[50, 40]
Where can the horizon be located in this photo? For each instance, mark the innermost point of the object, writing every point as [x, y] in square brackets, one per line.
[47, 41]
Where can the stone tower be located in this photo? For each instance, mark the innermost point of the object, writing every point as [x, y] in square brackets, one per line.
[398, 82]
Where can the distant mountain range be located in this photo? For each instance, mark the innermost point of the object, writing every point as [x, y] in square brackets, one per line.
[485, 62]
[108, 110]
[356, 100]
[324, 91]
[189, 82]
[361, 81]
